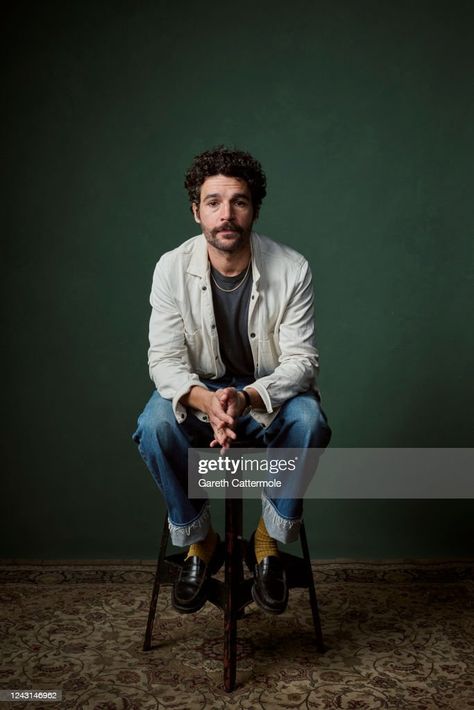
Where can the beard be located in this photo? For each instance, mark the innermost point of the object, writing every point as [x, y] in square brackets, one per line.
[226, 242]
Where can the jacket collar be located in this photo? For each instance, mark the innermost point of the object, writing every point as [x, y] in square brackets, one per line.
[199, 262]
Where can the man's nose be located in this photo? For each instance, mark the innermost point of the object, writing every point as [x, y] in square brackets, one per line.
[227, 211]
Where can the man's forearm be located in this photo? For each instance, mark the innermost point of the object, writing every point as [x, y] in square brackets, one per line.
[197, 398]
[255, 400]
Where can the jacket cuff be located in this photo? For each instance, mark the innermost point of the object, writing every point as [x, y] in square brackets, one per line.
[263, 394]
[180, 411]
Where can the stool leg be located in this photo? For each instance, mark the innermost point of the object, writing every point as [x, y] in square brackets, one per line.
[156, 586]
[233, 577]
[312, 591]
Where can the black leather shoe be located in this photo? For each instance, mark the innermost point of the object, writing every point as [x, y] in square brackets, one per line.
[270, 588]
[190, 588]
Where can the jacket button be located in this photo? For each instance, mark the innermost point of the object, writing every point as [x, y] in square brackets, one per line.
[204, 288]
[213, 326]
[252, 335]
[253, 297]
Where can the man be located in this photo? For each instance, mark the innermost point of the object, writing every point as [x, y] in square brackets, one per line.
[232, 356]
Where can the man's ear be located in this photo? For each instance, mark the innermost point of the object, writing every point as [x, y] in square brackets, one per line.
[195, 208]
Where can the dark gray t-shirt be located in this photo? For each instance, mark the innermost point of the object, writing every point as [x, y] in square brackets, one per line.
[231, 309]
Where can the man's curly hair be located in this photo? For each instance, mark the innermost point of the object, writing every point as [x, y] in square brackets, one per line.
[232, 163]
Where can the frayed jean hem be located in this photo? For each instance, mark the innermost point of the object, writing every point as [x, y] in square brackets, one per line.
[195, 531]
[284, 530]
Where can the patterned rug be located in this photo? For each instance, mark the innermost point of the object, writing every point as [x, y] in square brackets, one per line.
[399, 636]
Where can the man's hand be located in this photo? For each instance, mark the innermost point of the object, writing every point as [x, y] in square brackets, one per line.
[233, 403]
[223, 408]
[215, 404]
[223, 412]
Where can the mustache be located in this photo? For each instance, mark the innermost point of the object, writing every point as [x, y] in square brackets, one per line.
[227, 228]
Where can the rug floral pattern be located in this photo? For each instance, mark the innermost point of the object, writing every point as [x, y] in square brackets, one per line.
[399, 636]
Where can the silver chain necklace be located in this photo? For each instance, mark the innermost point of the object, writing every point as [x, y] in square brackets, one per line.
[234, 288]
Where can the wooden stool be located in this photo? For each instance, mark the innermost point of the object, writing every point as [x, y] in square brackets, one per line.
[234, 594]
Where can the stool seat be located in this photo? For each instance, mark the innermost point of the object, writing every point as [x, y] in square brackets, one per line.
[234, 593]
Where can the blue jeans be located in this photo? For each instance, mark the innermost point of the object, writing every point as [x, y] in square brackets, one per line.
[163, 444]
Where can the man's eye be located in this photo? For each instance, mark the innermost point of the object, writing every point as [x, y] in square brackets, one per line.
[241, 203]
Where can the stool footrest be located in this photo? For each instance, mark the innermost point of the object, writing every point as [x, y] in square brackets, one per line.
[216, 594]
[296, 570]
[169, 568]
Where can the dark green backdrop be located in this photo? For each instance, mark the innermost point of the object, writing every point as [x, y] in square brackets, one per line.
[362, 115]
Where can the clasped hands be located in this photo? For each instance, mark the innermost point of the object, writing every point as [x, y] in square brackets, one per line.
[224, 408]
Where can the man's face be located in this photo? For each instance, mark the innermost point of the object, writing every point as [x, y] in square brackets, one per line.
[225, 212]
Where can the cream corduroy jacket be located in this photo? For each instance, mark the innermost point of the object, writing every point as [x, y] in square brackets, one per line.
[184, 344]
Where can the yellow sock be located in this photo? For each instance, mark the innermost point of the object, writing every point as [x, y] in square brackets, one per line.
[205, 548]
[265, 546]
